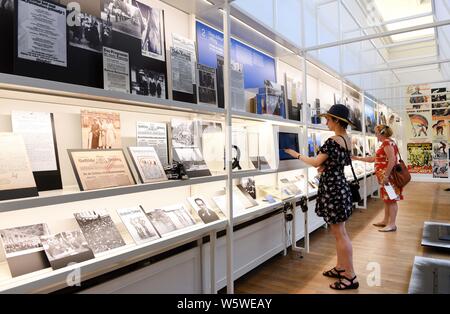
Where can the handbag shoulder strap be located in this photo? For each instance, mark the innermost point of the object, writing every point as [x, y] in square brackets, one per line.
[398, 150]
[349, 157]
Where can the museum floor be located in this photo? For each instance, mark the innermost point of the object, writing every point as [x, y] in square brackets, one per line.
[393, 251]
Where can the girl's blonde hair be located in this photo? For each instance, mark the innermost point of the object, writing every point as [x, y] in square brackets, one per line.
[384, 130]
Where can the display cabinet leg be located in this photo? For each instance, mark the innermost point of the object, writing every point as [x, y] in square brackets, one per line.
[201, 264]
[212, 261]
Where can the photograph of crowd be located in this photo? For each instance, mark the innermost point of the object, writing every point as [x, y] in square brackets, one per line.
[122, 16]
[66, 247]
[23, 239]
[99, 230]
[148, 83]
[89, 32]
[183, 133]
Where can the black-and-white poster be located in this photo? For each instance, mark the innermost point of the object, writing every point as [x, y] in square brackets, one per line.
[122, 15]
[116, 69]
[89, 32]
[207, 92]
[154, 135]
[152, 31]
[186, 44]
[148, 83]
[237, 87]
[37, 131]
[6, 5]
[41, 32]
[181, 62]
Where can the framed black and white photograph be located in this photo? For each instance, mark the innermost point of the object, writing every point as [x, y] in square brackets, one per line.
[148, 83]
[192, 160]
[184, 133]
[160, 219]
[139, 227]
[204, 209]
[99, 230]
[207, 90]
[89, 32]
[249, 185]
[147, 163]
[152, 31]
[65, 248]
[122, 16]
[178, 215]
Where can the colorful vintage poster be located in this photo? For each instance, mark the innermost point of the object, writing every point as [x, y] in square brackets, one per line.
[419, 124]
[418, 97]
[419, 158]
[439, 129]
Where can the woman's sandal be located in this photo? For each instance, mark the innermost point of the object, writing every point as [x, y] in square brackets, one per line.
[341, 285]
[333, 273]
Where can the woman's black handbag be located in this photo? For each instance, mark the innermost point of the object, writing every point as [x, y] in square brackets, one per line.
[354, 186]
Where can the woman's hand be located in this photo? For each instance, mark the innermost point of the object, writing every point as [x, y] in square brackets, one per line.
[385, 180]
[320, 169]
[291, 152]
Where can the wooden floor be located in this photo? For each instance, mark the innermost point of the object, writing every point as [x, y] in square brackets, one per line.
[393, 251]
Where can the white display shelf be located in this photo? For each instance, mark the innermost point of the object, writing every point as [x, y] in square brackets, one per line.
[252, 173]
[72, 194]
[352, 132]
[48, 280]
[319, 127]
[257, 211]
[54, 88]
[265, 118]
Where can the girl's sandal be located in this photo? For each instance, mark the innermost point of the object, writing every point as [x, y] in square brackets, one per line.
[342, 285]
[333, 273]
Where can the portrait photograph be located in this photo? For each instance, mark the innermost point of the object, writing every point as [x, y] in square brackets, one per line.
[100, 129]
